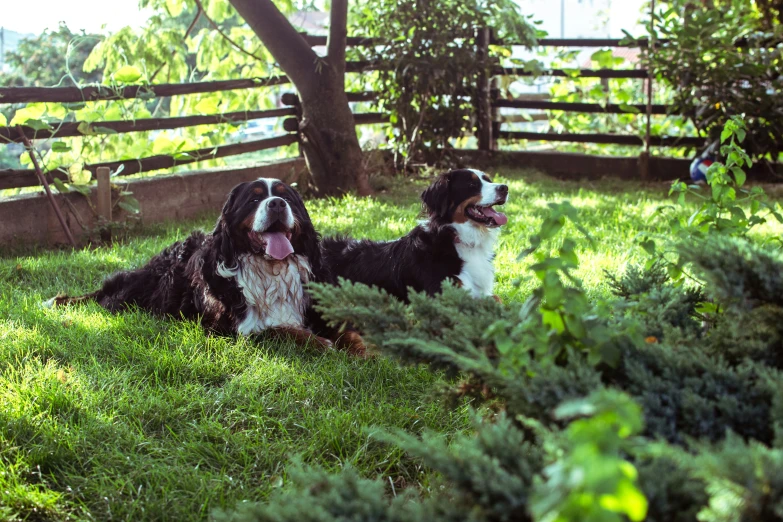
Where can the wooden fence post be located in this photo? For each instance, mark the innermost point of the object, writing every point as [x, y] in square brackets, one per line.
[292, 124]
[644, 157]
[103, 205]
[494, 119]
[483, 103]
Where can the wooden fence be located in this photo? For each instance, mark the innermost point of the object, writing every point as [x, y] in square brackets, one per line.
[487, 102]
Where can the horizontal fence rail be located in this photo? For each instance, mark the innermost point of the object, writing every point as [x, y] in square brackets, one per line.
[366, 96]
[370, 118]
[103, 92]
[609, 108]
[641, 43]
[352, 41]
[576, 73]
[27, 178]
[70, 129]
[605, 139]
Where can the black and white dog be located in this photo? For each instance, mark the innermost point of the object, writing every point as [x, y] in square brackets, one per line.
[456, 242]
[248, 276]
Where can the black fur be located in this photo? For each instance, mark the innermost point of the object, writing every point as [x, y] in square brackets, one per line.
[183, 280]
[421, 260]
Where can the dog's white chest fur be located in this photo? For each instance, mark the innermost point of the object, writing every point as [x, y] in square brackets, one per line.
[274, 291]
[476, 249]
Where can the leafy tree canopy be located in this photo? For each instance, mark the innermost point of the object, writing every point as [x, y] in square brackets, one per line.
[52, 58]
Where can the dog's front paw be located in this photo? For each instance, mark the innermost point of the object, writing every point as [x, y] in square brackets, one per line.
[353, 343]
[322, 342]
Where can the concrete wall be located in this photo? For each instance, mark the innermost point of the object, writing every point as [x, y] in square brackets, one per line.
[30, 219]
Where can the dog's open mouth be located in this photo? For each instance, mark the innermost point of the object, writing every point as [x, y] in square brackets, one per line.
[275, 241]
[487, 215]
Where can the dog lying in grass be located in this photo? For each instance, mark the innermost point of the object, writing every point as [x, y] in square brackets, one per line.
[455, 242]
[247, 277]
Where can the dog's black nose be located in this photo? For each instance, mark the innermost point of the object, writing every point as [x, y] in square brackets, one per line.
[503, 190]
[276, 204]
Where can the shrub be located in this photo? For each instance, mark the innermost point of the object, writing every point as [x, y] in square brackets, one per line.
[429, 65]
[722, 59]
[570, 394]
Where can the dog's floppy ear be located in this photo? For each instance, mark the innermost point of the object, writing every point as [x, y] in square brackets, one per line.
[307, 239]
[436, 196]
[222, 233]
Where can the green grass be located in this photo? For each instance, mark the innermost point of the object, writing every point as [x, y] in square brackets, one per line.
[132, 417]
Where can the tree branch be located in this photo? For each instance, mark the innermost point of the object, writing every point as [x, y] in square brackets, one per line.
[224, 35]
[42, 180]
[286, 45]
[190, 28]
[338, 37]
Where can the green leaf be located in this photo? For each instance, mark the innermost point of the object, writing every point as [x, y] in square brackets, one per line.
[60, 146]
[629, 108]
[739, 175]
[162, 145]
[707, 308]
[60, 186]
[78, 174]
[112, 113]
[3, 120]
[725, 134]
[84, 190]
[633, 501]
[75, 106]
[56, 110]
[605, 58]
[127, 74]
[648, 246]
[738, 214]
[37, 124]
[207, 105]
[85, 128]
[130, 204]
[675, 272]
[174, 7]
[553, 320]
[575, 326]
[33, 111]
[103, 130]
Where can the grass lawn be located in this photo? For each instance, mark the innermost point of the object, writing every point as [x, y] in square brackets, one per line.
[132, 417]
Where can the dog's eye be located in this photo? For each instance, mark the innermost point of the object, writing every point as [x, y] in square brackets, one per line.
[255, 200]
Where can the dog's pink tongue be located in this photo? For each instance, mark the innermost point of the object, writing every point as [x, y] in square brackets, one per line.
[499, 218]
[277, 245]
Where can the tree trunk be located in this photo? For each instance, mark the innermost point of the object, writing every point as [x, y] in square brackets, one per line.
[330, 145]
[329, 141]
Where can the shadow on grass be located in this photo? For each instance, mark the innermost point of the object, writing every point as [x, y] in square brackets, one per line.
[133, 415]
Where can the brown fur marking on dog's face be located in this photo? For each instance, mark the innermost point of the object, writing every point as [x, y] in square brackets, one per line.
[247, 223]
[459, 213]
